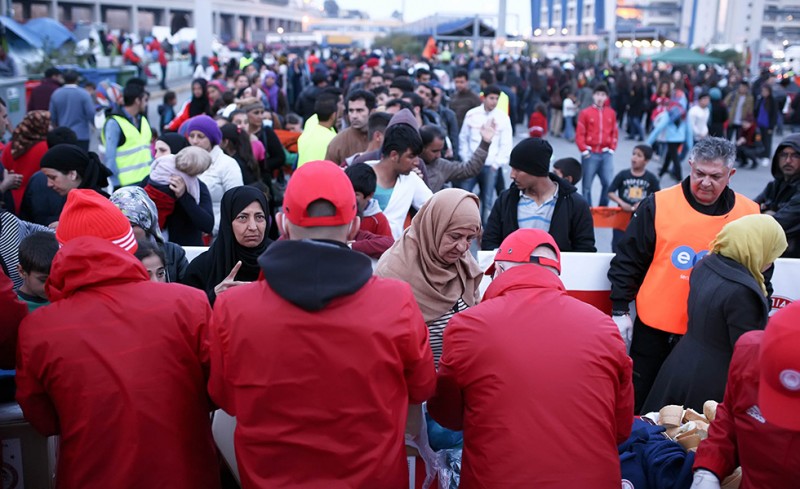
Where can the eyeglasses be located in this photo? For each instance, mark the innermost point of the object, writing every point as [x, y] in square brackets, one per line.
[795, 157]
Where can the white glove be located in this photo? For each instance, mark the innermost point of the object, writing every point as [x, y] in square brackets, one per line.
[704, 479]
[625, 326]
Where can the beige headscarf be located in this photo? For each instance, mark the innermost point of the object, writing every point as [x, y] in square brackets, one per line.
[755, 241]
[414, 258]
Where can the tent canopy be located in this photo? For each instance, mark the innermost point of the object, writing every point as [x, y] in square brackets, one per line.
[681, 56]
[51, 33]
[19, 37]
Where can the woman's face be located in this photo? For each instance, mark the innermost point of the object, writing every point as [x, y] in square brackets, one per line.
[155, 268]
[213, 94]
[241, 121]
[269, 81]
[162, 149]
[241, 82]
[197, 90]
[249, 225]
[62, 183]
[255, 116]
[197, 138]
[455, 243]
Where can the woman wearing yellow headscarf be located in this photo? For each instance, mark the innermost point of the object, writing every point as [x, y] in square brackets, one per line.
[727, 298]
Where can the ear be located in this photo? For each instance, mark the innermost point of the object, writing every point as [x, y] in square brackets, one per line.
[280, 217]
[355, 227]
[733, 170]
[73, 175]
[20, 271]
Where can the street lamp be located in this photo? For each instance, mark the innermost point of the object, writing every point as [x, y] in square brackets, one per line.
[551, 31]
[280, 30]
[564, 31]
[656, 43]
[669, 44]
[537, 32]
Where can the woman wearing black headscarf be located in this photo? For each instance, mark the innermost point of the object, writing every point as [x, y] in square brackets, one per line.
[67, 167]
[233, 257]
[197, 105]
[170, 143]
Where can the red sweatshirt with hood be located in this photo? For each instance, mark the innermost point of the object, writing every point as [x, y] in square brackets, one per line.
[117, 365]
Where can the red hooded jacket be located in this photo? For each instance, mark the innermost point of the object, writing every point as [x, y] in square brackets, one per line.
[541, 385]
[597, 129]
[739, 435]
[319, 363]
[117, 365]
[13, 313]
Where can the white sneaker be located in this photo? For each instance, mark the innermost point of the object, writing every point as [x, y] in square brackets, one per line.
[765, 162]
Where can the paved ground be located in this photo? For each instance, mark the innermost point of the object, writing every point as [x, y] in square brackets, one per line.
[747, 182]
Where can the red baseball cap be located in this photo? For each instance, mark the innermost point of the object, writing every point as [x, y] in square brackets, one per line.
[779, 365]
[518, 246]
[317, 180]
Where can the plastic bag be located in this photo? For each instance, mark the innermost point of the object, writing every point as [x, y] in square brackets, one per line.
[449, 468]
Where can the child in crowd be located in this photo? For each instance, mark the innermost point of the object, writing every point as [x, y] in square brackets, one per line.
[375, 236]
[36, 253]
[153, 260]
[166, 111]
[569, 169]
[570, 110]
[537, 126]
[632, 186]
[186, 165]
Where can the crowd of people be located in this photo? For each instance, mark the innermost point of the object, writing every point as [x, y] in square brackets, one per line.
[341, 201]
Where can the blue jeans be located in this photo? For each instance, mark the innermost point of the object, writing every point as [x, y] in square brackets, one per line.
[602, 165]
[569, 128]
[486, 181]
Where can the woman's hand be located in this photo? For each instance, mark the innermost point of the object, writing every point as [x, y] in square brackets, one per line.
[177, 185]
[229, 280]
[11, 181]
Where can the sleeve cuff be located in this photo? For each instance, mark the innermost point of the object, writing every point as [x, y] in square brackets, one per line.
[622, 306]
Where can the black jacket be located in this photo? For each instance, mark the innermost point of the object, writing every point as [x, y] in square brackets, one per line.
[40, 203]
[782, 197]
[725, 302]
[176, 261]
[572, 226]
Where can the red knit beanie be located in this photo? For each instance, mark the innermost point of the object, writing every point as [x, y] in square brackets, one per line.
[87, 213]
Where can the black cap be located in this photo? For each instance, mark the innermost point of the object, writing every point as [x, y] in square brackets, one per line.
[532, 156]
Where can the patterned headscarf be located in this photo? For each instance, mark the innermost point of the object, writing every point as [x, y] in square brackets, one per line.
[31, 130]
[136, 205]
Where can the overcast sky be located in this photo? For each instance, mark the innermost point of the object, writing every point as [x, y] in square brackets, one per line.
[519, 15]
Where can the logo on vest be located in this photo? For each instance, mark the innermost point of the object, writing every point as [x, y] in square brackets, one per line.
[755, 413]
[779, 303]
[684, 257]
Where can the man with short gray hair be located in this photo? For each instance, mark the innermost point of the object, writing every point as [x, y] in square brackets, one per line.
[668, 234]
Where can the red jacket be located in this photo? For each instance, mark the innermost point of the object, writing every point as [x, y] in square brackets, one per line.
[320, 393]
[13, 313]
[117, 365]
[541, 385]
[597, 129]
[769, 456]
[537, 126]
[377, 224]
[26, 165]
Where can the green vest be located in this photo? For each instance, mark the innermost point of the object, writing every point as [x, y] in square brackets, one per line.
[245, 62]
[133, 156]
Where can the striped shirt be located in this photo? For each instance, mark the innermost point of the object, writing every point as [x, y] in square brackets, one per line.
[531, 215]
[436, 329]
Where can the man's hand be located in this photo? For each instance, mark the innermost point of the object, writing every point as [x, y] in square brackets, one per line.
[11, 181]
[488, 130]
[177, 185]
[704, 479]
[229, 281]
[625, 326]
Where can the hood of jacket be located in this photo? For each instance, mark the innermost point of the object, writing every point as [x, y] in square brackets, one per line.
[792, 141]
[523, 277]
[89, 262]
[310, 274]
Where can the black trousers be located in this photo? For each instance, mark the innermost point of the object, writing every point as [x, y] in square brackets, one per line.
[649, 348]
[672, 158]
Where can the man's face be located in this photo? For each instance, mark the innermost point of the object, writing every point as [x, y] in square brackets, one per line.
[704, 101]
[708, 179]
[600, 98]
[366, 74]
[405, 162]
[35, 282]
[432, 151]
[462, 85]
[789, 162]
[424, 78]
[638, 160]
[743, 89]
[490, 102]
[358, 113]
[361, 202]
[426, 95]
[374, 82]
[523, 180]
[381, 99]
[395, 92]
[4, 124]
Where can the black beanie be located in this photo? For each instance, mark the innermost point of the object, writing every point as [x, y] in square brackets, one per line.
[532, 156]
[68, 157]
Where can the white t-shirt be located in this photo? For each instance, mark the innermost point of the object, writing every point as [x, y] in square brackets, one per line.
[409, 191]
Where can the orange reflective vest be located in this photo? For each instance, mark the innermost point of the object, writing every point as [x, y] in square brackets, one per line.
[682, 239]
